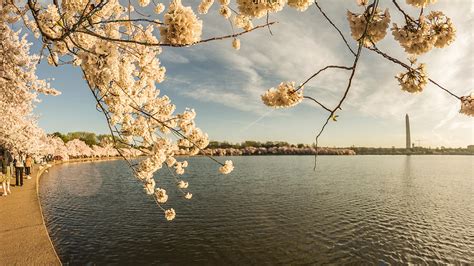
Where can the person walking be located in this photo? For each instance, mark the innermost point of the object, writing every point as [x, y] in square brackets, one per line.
[14, 163]
[28, 165]
[5, 177]
[19, 165]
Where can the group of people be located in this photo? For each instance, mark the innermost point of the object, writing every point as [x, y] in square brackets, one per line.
[19, 167]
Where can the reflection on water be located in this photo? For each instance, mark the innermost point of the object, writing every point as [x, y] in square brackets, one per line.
[270, 210]
[407, 168]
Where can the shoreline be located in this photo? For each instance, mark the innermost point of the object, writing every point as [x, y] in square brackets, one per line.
[23, 232]
[55, 163]
[37, 179]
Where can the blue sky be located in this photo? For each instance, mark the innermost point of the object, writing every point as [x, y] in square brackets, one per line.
[224, 85]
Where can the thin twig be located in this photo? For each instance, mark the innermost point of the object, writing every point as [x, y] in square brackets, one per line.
[407, 17]
[269, 29]
[335, 27]
[129, 20]
[319, 71]
[316, 101]
[86, 31]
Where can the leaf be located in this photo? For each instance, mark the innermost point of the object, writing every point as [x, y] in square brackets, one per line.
[334, 118]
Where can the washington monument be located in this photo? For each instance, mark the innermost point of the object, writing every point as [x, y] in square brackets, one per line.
[407, 126]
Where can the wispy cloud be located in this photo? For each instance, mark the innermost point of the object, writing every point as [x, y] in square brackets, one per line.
[247, 127]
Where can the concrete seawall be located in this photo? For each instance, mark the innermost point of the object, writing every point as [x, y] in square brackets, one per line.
[23, 235]
[24, 238]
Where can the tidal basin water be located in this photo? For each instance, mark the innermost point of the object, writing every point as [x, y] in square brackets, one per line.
[270, 210]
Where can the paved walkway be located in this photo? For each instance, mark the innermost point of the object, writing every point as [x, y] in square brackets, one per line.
[24, 239]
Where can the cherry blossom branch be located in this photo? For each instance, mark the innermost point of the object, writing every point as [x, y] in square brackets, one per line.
[333, 111]
[316, 101]
[114, 139]
[175, 178]
[86, 31]
[86, 16]
[407, 17]
[76, 25]
[176, 132]
[129, 20]
[396, 61]
[349, 83]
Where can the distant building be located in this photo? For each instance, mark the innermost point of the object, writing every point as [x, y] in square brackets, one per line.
[470, 147]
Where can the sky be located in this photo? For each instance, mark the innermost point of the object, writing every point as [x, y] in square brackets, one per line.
[224, 85]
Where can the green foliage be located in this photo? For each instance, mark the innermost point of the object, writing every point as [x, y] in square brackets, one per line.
[248, 143]
[61, 136]
[104, 137]
[88, 137]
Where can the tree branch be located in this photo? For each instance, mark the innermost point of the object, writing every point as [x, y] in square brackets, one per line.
[349, 83]
[335, 27]
[316, 101]
[396, 61]
[319, 71]
[86, 31]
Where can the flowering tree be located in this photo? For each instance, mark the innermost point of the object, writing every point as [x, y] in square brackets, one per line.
[78, 148]
[58, 148]
[117, 47]
[19, 88]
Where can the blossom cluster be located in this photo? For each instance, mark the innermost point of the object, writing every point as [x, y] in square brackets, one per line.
[204, 6]
[375, 31]
[258, 9]
[362, 2]
[227, 167]
[300, 5]
[467, 104]
[224, 10]
[181, 27]
[242, 22]
[159, 8]
[419, 37]
[170, 214]
[284, 96]
[236, 44]
[442, 27]
[415, 79]
[420, 3]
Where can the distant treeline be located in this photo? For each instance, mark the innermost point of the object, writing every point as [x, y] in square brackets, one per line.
[251, 147]
[251, 143]
[281, 148]
[415, 151]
